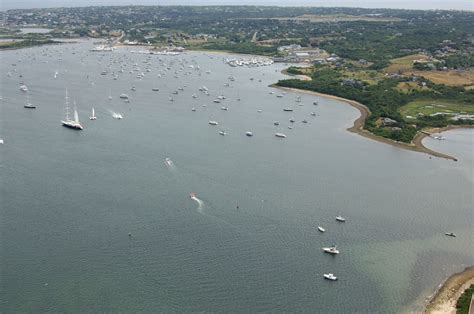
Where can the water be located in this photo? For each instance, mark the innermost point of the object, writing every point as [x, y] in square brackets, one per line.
[70, 198]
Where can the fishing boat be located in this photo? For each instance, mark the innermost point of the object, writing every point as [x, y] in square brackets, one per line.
[93, 117]
[67, 122]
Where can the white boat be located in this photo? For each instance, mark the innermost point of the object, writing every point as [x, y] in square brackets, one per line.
[2, 141]
[287, 109]
[249, 133]
[276, 123]
[117, 116]
[23, 88]
[217, 101]
[331, 250]
[450, 234]
[193, 109]
[225, 108]
[259, 110]
[313, 113]
[67, 122]
[222, 133]
[93, 117]
[281, 135]
[168, 162]
[123, 96]
[211, 122]
[330, 277]
[133, 88]
[340, 219]
[321, 229]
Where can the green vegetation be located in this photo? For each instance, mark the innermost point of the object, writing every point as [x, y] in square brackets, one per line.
[385, 100]
[432, 106]
[25, 43]
[462, 305]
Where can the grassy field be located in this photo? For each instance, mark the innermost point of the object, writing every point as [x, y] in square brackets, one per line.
[462, 305]
[428, 107]
[404, 64]
[452, 77]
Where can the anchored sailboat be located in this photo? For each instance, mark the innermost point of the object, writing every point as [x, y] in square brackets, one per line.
[93, 117]
[67, 122]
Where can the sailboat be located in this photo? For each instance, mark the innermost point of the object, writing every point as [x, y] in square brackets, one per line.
[28, 104]
[93, 117]
[67, 122]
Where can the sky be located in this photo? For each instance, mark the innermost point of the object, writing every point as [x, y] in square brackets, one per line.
[398, 4]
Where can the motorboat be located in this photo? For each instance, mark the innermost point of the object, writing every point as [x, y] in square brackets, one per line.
[313, 113]
[292, 120]
[155, 89]
[192, 195]
[340, 219]
[23, 88]
[330, 277]
[287, 109]
[213, 122]
[168, 161]
[225, 108]
[217, 101]
[117, 116]
[315, 103]
[123, 96]
[249, 133]
[259, 110]
[331, 250]
[450, 234]
[193, 109]
[222, 133]
[321, 229]
[280, 135]
[305, 121]
[276, 123]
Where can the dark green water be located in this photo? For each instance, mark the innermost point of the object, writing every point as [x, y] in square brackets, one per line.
[69, 198]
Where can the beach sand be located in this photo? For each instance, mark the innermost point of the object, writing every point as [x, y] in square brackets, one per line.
[444, 300]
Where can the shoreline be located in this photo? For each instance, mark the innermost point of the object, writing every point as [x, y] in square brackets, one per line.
[445, 297]
[358, 126]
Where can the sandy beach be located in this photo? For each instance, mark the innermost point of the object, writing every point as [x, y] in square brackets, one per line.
[358, 127]
[445, 298]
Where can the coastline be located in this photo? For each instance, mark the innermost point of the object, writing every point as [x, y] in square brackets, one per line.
[358, 126]
[445, 297]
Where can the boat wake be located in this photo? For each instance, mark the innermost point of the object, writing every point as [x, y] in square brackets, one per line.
[116, 115]
[170, 164]
[199, 201]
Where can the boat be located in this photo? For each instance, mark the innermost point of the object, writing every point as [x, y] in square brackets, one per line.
[340, 219]
[222, 133]
[298, 99]
[133, 88]
[217, 101]
[315, 103]
[292, 120]
[290, 127]
[281, 135]
[29, 105]
[249, 133]
[225, 108]
[321, 229]
[331, 250]
[117, 116]
[276, 123]
[213, 122]
[123, 96]
[450, 234]
[192, 195]
[259, 110]
[313, 113]
[168, 161]
[305, 121]
[93, 117]
[330, 277]
[287, 109]
[193, 109]
[23, 88]
[155, 89]
[67, 122]
[280, 96]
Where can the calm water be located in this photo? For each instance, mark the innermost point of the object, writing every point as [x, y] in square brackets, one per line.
[69, 198]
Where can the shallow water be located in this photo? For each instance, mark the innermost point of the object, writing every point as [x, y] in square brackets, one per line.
[69, 198]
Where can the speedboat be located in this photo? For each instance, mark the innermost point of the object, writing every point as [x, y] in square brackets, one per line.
[287, 109]
[213, 122]
[225, 108]
[331, 250]
[117, 116]
[123, 96]
[23, 88]
[321, 229]
[281, 135]
[222, 133]
[249, 133]
[340, 219]
[259, 110]
[29, 106]
[313, 113]
[292, 120]
[450, 234]
[330, 277]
